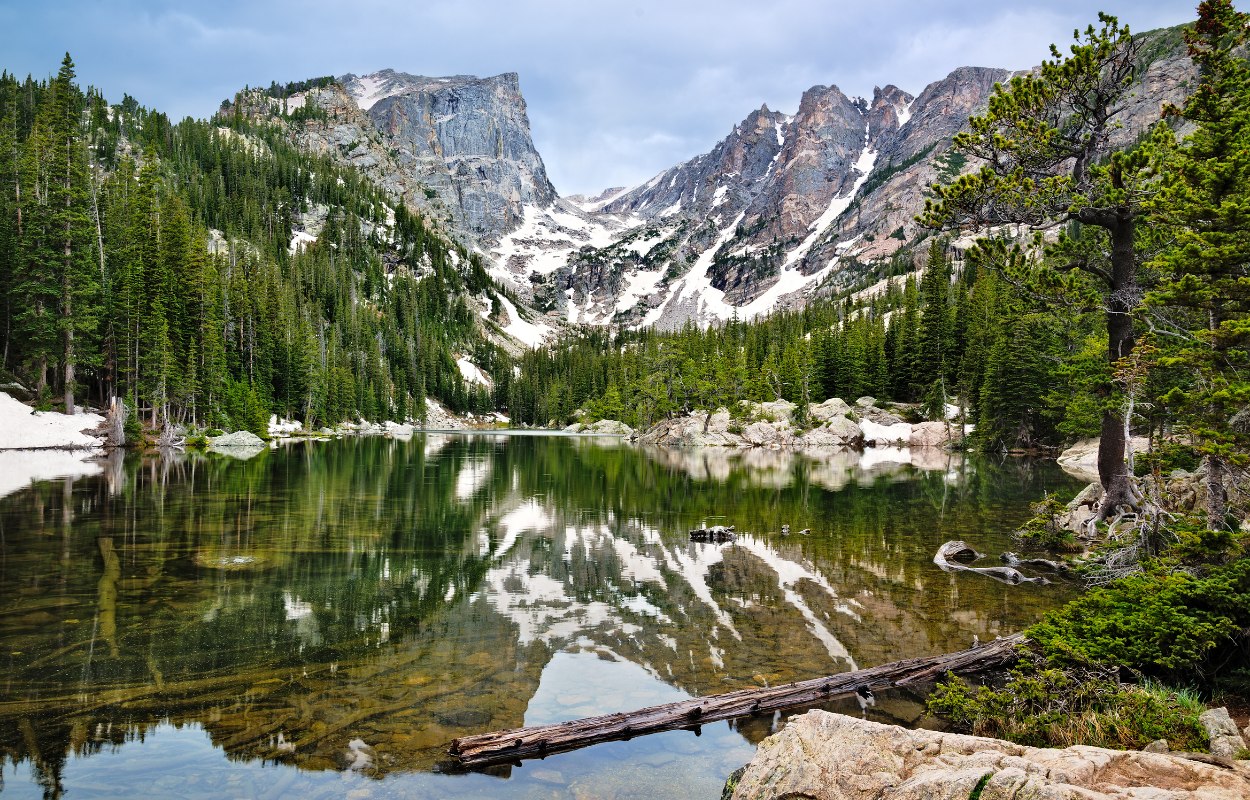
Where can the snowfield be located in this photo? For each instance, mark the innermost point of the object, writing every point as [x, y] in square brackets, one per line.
[21, 428]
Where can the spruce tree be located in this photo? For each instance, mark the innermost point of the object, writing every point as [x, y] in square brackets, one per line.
[1206, 204]
[936, 327]
[68, 221]
[1044, 143]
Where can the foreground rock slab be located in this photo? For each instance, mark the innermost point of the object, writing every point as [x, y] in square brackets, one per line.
[824, 756]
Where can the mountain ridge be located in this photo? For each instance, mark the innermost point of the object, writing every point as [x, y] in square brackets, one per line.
[782, 209]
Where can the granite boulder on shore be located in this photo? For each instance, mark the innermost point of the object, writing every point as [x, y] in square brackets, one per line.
[832, 424]
[824, 756]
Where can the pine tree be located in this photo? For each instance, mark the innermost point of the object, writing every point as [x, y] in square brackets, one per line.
[1043, 140]
[936, 329]
[68, 221]
[1206, 203]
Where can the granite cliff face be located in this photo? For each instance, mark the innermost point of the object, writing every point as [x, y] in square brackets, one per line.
[458, 148]
[466, 138]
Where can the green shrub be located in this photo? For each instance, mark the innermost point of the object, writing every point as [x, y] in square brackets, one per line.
[1045, 529]
[211, 432]
[1158, 621]
[1166, 457]
[132, 428]
[1043, 706]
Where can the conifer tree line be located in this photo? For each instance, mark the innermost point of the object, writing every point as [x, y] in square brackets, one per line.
[110, 288]
[945, 337]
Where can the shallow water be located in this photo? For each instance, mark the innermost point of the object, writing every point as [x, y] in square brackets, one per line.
[321, 619]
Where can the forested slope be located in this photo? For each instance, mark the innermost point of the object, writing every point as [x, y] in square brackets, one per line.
[153, 260]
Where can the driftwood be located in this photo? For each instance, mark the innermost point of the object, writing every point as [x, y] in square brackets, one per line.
[961, 551]
[1013, 560]
[716, 533]
[543, 740]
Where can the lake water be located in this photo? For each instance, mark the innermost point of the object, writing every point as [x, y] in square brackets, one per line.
[321, 619]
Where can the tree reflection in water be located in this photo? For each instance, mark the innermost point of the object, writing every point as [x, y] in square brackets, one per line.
[359, 603]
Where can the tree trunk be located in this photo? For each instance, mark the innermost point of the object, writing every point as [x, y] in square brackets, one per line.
[1216, 507]
[540, 741]
[1121, 299]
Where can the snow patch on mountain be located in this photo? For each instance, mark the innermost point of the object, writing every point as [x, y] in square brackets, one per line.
[639, 285]
[527, 332]
[368, 90]
[472, 373]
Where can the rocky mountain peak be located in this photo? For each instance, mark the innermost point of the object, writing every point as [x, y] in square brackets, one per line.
[465, 138]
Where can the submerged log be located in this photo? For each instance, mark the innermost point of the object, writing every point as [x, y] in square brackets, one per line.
[543, 740]
[960, 550]
[1013, 560]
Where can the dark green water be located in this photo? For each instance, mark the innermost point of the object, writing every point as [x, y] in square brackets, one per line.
[322, 619]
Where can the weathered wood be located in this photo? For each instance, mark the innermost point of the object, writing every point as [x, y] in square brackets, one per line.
[960, 550]
[543, 740]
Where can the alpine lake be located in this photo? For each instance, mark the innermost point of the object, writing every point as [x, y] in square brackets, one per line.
[321, 619]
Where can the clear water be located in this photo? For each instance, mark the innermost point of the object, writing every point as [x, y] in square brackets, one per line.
[321, 619]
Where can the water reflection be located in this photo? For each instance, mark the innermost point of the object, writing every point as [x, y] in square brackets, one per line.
[351, 606]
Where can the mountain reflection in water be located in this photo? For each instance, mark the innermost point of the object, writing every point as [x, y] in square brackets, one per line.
[349, 607]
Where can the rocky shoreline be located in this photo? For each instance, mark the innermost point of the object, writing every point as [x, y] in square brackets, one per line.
[826, 756]
[831, 424]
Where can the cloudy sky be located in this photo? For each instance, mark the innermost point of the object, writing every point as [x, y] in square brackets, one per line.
[617, 91]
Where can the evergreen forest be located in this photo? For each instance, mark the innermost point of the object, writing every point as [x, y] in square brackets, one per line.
[151, 261]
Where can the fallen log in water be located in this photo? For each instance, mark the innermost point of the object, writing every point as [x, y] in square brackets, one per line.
[544, 740]
[950, 554]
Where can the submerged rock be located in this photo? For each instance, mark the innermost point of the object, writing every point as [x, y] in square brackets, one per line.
[824, 755]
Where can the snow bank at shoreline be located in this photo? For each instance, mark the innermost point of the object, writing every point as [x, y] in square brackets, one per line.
[22, 429]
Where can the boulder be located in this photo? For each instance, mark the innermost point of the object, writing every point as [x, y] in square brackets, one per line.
[677, 432]
[1081, 459]
[763, 434]
[827, 411]
[1087, 497]
[819, 438]
[865, 401]
[576, 427]
[837, 757]
[782, 411]
[609, 426]
[844, 429]
[930, 434]
[1157, 746]
[1226, 741]
[236, 439]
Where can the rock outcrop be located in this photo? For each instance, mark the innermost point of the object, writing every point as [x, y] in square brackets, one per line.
[1226, 740]
[770, 425]
[466, 138]
[833, 423]
[1081, 459]
[609, 427]
[236, 439]
[827, 756]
